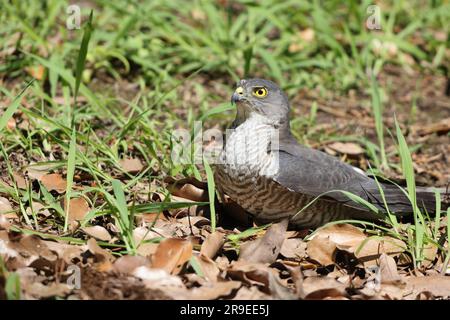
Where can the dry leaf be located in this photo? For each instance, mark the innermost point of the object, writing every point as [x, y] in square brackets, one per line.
[161, 279]
[33, 245]
[251, 293]
[307, 35]
[322, 287]
[322, 250]
[36, 72]
[212, 244]
[260, 275]
[65, 251]
[172, 254]
[346, 148]
[348, 238]
[141, 234]
[388, 269]
[267, 248]
[20, 180]
[212, 291]
[127, 264]
[438, 286]
[430, 253]
[11, 124]
[441, 127]
[4, 224]
[151, 217]
[54, 181]
[37, 171]
[98, 232]
[5, 206]
[293, 248]
[374, 247]
[131, 165]
[102, 257]
[37, 208]
[39, 290]
[188, 188]
[209, 268]
[198, 14]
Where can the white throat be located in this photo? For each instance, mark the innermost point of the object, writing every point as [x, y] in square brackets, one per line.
[249, 146]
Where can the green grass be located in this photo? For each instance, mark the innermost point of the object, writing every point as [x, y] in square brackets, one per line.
[12, 282]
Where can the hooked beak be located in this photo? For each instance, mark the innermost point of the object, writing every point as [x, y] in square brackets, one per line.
[237, 95]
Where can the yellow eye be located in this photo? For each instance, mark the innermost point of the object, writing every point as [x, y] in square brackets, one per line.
[260, 92]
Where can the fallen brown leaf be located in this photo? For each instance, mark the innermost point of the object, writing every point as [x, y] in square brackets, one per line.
[209, 268]
[371, 250]
[36, 72]
[388, 269]
[4, 223]
[322, 288]
[430, 253]
[438, 286]
[293, 248]
[160, 279]
[11, 124]
[141, 234]
[260, 275]
[212, 291]
[103, 258]
[131, 165]
[54, 181]
[188, 188]
[345, 237]
[39, 290]
[212, 244]
[5, 206]
[20, 180]
[172, 254]
[346, 148]
[37, 171]
[37, 208]
[267, 248]
[66, 252]
[127, 264]
[441, 127]
[251, 293]
[98, 232]
[78, 209]
[307, 34]
[322, 250]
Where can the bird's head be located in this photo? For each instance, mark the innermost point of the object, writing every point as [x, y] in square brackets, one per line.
[261, 97]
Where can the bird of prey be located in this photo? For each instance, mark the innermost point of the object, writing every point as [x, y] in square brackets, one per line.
[268, 173]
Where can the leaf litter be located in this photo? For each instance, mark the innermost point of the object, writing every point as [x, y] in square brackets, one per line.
[178, 257]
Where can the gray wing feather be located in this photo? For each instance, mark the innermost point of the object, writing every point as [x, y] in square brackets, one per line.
[313, 172]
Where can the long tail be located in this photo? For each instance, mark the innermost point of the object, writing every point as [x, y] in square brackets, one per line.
[399, 203]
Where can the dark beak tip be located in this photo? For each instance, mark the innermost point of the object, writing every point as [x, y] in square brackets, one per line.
[235, 98]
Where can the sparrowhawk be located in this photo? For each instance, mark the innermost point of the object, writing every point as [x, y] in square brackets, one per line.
[268, 173]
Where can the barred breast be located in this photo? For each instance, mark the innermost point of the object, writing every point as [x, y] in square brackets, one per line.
[245, 175]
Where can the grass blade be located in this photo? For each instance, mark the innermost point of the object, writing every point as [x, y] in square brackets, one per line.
[81, 60]
[121, 202]
[12, 107]
[377, 108]
[211, 193]
[12, 287]
[437, 219]
[70, 172]
[408, 173]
